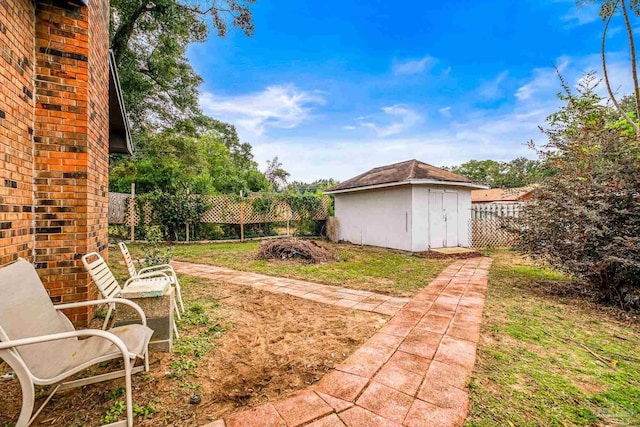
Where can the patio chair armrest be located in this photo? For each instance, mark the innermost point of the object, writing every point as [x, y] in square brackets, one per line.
[161, 267]
[124, 301]
[150, 275]
[71, 334]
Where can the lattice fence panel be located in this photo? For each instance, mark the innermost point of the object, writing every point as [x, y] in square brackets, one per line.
[224, 210]
[492, 233]
[491, 224]
[132, 215]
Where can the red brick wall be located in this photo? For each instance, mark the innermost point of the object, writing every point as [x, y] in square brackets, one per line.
[98, 128]
[16, 129]
[54, 150]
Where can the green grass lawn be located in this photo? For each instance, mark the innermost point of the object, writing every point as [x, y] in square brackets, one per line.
[536, 363]
[373, 269]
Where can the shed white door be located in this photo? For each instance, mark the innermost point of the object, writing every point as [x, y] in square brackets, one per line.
[443, 219]
[451, 217]
[437, 223]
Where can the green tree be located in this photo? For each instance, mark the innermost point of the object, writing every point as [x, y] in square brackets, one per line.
[149, 40]
[275, 174]
[205, 163]
[585, 218]
[312, 187]
[166, 161]
[608, 10]
[484, 171]
[519, 172]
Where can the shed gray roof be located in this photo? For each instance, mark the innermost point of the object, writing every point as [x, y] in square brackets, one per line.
[399, 173]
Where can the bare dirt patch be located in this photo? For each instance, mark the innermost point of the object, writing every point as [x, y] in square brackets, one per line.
[265, 347]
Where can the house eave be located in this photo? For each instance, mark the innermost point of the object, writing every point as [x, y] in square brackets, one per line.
[471, 185]
[119, 129]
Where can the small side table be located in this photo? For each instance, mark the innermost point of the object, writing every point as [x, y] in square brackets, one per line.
[156, 298]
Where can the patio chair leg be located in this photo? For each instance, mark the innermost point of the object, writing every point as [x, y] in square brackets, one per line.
[146, 361]
[175, 330]
[55, 389]
[127, 383]
[26, 385]
[28, 402]
[175, 306]
[106, 318]
[179, 295]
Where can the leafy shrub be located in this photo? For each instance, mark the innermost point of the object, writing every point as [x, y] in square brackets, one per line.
[585, 219]
[114, 412]
[144, 411]
[208, 231]
[174, 210]
[155, 251]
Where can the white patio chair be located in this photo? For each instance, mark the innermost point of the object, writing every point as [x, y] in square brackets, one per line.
[110, 288]
[164, 268]
[42, 348]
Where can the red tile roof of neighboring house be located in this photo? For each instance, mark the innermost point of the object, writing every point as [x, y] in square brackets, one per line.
[501, 195]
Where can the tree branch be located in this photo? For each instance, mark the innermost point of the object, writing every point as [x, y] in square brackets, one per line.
[606, 75]
[634, 67]
[125, 30]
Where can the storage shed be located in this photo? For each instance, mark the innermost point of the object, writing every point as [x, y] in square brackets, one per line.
[411, 206]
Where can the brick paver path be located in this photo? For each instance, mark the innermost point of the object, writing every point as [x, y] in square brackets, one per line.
[413, 372]
[334, 295]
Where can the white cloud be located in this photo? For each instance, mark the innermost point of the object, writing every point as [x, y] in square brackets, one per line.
[396, 118]
[445, 111]
[543, 79]
[278, 106]
[544, 83]
[318, 151]
[412, 66]
[582, 15]
[310, 159]
[484, 134]
[492, 89]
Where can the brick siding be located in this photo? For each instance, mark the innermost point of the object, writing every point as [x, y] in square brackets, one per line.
[59, 144]
[16, 129]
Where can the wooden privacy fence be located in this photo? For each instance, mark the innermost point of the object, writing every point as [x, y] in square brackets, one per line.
[490, 224]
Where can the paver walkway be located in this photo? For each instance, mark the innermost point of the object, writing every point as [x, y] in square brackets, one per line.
[334, 295]
[413, 372]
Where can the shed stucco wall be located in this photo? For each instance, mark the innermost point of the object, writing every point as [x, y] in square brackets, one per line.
[376, 217]
[396, 217]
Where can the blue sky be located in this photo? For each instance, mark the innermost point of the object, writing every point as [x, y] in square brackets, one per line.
[334, 88]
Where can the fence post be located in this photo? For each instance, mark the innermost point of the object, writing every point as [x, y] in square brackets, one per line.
[132, 211]
[241, 216]
[187, 223]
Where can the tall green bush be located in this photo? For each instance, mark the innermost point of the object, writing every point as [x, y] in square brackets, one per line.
[585, 218]
[174, 210]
